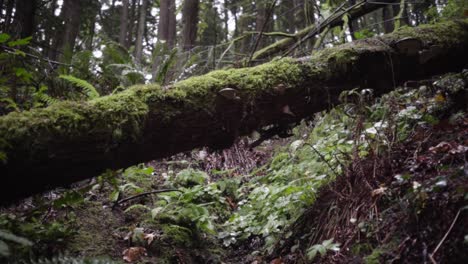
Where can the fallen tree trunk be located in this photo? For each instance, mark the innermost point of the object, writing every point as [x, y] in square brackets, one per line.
[70, 141]
[355, 11]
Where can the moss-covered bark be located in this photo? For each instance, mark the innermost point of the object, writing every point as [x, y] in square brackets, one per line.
[70, 141]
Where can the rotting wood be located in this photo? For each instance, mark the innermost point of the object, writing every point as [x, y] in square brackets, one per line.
[71, 141]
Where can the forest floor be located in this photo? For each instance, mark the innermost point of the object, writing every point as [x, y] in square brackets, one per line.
[374, 180]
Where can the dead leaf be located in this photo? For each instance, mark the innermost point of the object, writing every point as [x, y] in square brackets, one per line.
[379, 191]
[133, 254]
[231, 203]
[276, 261]
[287, 110]
[149, 238]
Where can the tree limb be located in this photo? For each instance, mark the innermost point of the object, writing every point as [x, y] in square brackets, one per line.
[72, 141]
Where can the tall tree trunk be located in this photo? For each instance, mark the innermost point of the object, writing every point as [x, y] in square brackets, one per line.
[132, 26]
[123, 23]
[90, 35]
[263, 9]
[190, 23]
[25, 11]
[69, 141]
[8, 15]
[67, 34]
[167, 22]
[401, 14]
[226, 20]
[353, 24]
[141, 31]
[387, 15]
[166, 33]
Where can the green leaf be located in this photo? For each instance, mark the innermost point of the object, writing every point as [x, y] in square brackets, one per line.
[5, 235]
[20, 53]
[156, 211]
[20, 42]
[23, 74]
[88, 88]
[114, 196]
[4, 37]
[322, 250]
[311, 254]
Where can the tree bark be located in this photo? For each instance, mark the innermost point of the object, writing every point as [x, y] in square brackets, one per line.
[189, 23]
[8, 15]
[66, 36]
[141, 31]
[25, 12]
[70, 141]
[132, 24]
[166, 34]
[387, 15]
[167, 22]
[123, 24]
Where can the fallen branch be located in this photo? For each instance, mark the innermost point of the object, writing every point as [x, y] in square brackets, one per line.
[431, 256]
[71, 141]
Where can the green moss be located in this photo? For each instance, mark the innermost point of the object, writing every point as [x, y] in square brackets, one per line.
[374, 257]
[95, 228]
[119, 118]
[178, 235]
[447, 33]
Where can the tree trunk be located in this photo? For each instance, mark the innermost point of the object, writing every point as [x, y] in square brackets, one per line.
[226, 20]
[25, 11]
[132, 24]
[167, 22]
[353, 25]
[166, 34]
[66, 36]
[260, 22]
[141, 31]
[69, 141]
[387, 15]
[123, 24]
[8, 15]
[189, 23]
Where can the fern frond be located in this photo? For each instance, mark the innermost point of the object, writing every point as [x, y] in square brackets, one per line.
[88, 88]
[46, 99]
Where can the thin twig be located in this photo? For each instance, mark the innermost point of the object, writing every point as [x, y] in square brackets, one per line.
[431, 256]
[13, 50]
[144, 194]
[323, 158]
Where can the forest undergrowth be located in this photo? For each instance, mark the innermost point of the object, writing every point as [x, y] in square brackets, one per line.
[373, 180]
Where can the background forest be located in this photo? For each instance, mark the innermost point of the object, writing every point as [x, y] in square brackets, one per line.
[366, 179]
[75, 50]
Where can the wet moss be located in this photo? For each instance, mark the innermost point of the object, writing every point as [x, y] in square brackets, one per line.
[447, 33]
[177, 235]
[96, 226]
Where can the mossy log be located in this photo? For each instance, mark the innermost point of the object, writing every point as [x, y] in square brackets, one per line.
[360, 9]
[71, 141]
